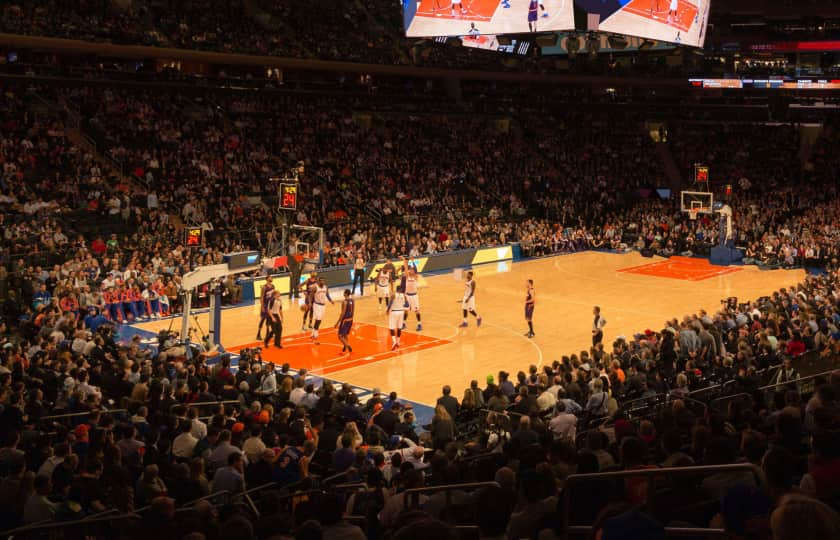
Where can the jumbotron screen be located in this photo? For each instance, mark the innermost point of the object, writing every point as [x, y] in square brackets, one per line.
[676, 21]
[431, 18]
[493, 43]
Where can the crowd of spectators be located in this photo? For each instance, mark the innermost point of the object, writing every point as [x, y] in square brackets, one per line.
[345, 30]
[408, 184]
[148, 432]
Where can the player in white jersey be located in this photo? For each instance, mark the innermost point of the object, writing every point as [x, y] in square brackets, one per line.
[319, 305]
[673, 10]
[460, 7]
[468, 303]
[396, 309]
[409, 285]
[383, 285]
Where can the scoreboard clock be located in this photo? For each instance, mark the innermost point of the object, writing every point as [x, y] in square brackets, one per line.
[288, 196]
[193, 236]
[701, 174]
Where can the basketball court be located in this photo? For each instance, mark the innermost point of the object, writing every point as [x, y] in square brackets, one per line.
[651, 19]
[635, 293]
[436, 17]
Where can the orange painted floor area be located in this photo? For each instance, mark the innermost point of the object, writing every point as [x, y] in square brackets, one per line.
[476, 10]
[657, 10]
[370, 344]
[684, 268]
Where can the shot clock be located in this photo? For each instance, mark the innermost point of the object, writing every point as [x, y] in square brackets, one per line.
[192, 236]
[288, 196]
[701, 174]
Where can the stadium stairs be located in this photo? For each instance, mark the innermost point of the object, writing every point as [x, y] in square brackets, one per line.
[670, 166]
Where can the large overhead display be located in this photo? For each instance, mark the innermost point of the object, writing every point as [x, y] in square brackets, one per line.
[430, 18]
[675, 21]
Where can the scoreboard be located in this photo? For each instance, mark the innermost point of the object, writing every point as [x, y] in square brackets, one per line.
[193, 236]
[701, 174]
[288, 196]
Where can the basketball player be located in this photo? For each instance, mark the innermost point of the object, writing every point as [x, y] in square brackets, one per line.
[672, 10]
[468, 303]
[395, 311]
[267, 294]
[473, 32]
[345, 320]
[544, 12]
[597, 326]
[533, 9]
[459, 5]
[654, 8]
[383, 285]
[112, 302]
[308, 297]
[409, 285]
[319, 306]
[530, 299]
[359, 273]
[392, 275]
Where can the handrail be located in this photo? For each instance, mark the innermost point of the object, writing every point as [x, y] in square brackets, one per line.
[52, 523]
[451, 487]
[11, 532]
[797, 381]
[258, 488]
[713, 402]
[649, 475]
[352, 485]
[206, 403]
[669, 531]
[206, 497]
[504, 412]
[414, 494]
[87, 413]
[327, 480]
[100, 514]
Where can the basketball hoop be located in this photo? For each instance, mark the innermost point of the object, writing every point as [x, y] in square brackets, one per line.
[692, 214]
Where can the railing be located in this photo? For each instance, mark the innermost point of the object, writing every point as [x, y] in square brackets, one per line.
[650, 475]
[22, 532]
[586, 530]
[715, 403]
[81, 414]
[798, 382]
[414, 494]
[208, 403]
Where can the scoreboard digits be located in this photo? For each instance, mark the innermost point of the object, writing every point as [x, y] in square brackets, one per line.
[701, 174]
[193, 236]
[288, 196]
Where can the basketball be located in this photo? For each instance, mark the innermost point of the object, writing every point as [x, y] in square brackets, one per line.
[303, 307]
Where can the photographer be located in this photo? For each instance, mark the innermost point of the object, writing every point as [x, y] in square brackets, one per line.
[170, 346]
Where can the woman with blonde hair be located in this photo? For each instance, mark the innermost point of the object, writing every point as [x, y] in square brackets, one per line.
[351, 430]
[681, 390]
[442, 429]
[468, 402]
[285, 390]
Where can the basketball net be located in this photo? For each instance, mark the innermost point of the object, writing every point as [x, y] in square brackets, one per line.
[692, 214]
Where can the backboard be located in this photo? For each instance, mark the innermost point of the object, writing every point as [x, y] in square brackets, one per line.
[700, 202]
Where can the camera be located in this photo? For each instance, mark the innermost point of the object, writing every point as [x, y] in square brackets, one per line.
[251, 354]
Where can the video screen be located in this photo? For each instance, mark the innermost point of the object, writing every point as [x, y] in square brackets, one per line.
[430, 18]
[676, 21]
[493, 43]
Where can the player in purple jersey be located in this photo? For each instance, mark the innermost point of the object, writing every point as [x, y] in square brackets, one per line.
[345, 320]
[530, 299]
[533, 14]
[267, 295]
